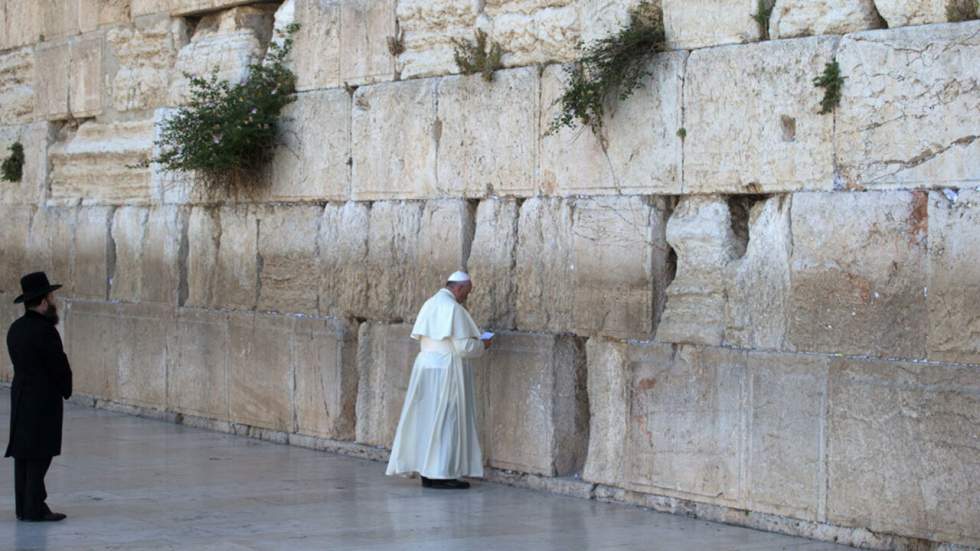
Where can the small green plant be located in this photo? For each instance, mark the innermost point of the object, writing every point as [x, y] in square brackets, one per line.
[227, 131]
[13, 166]
[682, 133]
[396, 44]
[762, 15]
[961, 10]
[482, 56]
[610, 68]
[832, 82]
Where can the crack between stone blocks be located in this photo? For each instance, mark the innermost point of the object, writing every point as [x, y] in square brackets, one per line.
[110, 254]
[183, 251]
[216, 237]
[683, 182]
[837, 183]
[259, 261]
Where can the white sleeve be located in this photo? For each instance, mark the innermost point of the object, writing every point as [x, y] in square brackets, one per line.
[469, 347]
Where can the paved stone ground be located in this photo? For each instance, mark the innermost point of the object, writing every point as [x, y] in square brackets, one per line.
[134, 484]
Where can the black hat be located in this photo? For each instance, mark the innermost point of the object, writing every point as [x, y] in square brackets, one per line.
[33, 286]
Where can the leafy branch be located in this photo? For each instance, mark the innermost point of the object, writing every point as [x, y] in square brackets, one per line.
[13, 166]
[832, 82]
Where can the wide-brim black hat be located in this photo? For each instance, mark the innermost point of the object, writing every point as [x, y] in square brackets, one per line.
[33, 286]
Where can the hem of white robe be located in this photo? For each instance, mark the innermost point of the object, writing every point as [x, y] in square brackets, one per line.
[434, 475]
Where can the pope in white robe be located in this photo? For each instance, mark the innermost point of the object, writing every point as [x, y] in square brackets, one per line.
[436, 435]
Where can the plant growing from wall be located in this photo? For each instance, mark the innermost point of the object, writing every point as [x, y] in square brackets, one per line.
[13, 166]
[610, 68]
[482, 56]
[832, 82]
[762, 15]
[227, 131]
[961, 10]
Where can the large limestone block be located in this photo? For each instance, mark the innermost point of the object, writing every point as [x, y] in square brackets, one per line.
[148, 7]
[859, 273]
[954, 278]
[259, 370]
[485, 139]
[792, 18]
[143, 55]
[399, 118]
[385, 355]
[699, 23]
[609, 417]
[52, 63]
[59, 18]
[197, 378]
[222, 263]
[16, 87]
[93, 14]
[21, 24]
[92, 253]
[32, 187]
[901, 13]
[319, 32]
[343, 249]
[287, 249]
[758, 283]
[787, 431]
[227, 41]
[311, 161]
[642, 153]
[203, 238]
[537, 411]
[902, 449]
[620, 265]
[191, 7]
[101, 164]
[365, 26]
[143, 337]
[544, 270]
[907, 115]
[147, 254]
[752, 120]
[430, 26]
[325, 366]
[533, 32]
[491, 263]
[91, 338]
[15, 222]
[700, 232]
[50, 245]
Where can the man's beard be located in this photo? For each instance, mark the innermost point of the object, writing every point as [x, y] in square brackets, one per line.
[52, 314]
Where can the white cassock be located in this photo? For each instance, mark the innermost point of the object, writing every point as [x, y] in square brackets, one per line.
[436, 435]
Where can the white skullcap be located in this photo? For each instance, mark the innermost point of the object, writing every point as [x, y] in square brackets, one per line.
[459, 277]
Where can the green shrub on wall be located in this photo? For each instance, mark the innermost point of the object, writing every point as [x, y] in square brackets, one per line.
[482, 56]
[831, 81]
[13, 166]
[762, 16]
[610, 68]
[962, 10]
[228, 131]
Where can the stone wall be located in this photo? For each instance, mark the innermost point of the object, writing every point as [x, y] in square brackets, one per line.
[731, 306]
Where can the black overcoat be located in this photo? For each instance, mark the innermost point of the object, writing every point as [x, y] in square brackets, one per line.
[42, 379]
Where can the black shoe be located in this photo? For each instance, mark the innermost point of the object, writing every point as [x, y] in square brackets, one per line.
[450, 484]
[47, 517]
[427, 482]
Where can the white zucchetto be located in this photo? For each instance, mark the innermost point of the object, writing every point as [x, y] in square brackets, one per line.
[459, 277]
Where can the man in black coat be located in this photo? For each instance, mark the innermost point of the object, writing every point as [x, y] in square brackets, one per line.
[42, 378]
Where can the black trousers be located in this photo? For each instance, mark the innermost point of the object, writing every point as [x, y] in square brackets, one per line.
[29, 489]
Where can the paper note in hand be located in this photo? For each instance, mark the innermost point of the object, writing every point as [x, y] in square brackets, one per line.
[487, 335]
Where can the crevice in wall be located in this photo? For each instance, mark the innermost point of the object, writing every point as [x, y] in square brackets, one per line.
[183, 248]
[110, 254]
[216, 231]
[259, 262]
[740, 211]
[469, 230]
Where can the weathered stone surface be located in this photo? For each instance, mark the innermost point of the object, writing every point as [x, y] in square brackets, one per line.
[399, 118]
[21, 24]
[91, 334]
[385, 355]
[189, 7]
[287, 248]
[700, 232]
[544, 271]
[902, 449]
[859, 273]
[143, 54]
[141, 339]
[93, 14]
[699, 23]
[609, 417]
[51, 70]
[32, 186]
[484, 137]
[758, 283]
[533, 32]
[148, 7]
[763, 131]
[906, 115]
[91, 258]
[203, 237]
[621, 266]
[17, 86]
[98, 164]
[147, 246]
[536, 412]
[319, 32]
[228, 41]
[59, 19]
[900, 13]
[197, 377]
[954, 277]
[643, 150]
[15, 221]
[602, 18]
[787, 430]
[259, 370]
[222, 264]
[311, 161]
[365, 26]
[491, 264]
[430, 27]
[325, 366]
[50, 245]
[342, 270]
[792, 18]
